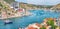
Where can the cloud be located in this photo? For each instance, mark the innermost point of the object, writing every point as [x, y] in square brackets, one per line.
[41, 2]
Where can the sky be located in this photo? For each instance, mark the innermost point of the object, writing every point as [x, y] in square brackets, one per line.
[41, 2]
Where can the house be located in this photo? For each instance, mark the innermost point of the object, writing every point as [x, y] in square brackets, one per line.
[21, 10]
[33, 26]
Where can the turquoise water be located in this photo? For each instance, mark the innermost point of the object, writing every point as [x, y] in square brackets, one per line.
[37, 17]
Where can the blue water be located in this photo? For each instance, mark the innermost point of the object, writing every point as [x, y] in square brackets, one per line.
[37, 17]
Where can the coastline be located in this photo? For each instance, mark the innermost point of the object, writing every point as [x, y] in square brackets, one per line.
[17, 15]
[26, 13]
[44, 10]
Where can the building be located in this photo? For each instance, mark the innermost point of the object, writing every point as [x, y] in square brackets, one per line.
[58, 22]
[15, 5]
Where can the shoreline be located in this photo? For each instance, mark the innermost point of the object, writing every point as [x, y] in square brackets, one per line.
[46, 10]
[16, 16]
[27, 14]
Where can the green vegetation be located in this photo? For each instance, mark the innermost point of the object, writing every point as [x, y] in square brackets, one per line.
[54, 27]
[9, 1]
[32, 6]
[43, 27]
[1, 4]
[29, 6]
[0, 12]
[51, 23]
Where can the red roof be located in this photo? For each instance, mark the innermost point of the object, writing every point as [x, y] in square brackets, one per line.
[31, 28]
[20, 10]
[37, 24]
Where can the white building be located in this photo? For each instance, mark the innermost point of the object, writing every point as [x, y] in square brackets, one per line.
[15, 5]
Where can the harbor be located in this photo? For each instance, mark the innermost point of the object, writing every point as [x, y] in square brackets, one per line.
[29, 14]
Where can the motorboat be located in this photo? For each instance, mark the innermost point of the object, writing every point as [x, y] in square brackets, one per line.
[7, 22]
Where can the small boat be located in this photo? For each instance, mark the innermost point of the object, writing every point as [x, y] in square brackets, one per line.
[7, 22]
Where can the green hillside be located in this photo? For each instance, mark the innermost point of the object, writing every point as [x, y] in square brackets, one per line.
[29, 6]
[32, 6]
[0, 4]
[9, 1]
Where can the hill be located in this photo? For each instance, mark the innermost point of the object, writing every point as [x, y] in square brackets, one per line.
[56, 7]
[9, 1]
[29, 6]
[32, 6]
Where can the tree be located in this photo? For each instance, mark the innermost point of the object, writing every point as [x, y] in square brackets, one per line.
[51, 23]
[1, 4]
[43, 27]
